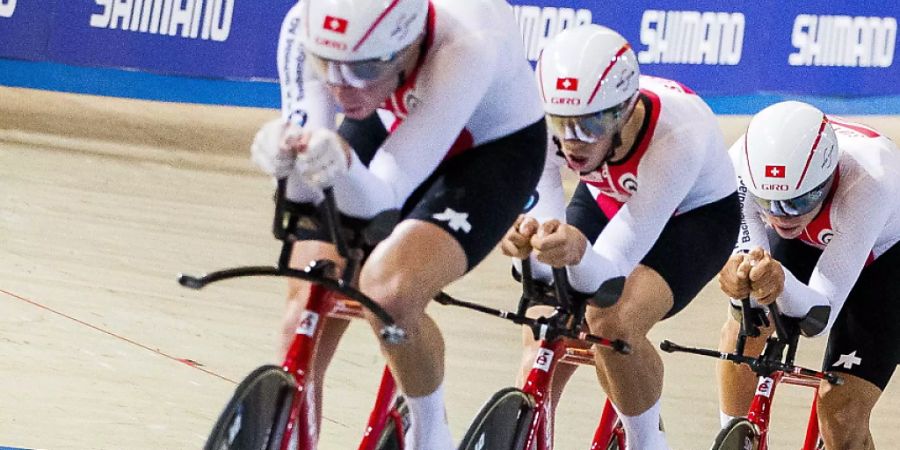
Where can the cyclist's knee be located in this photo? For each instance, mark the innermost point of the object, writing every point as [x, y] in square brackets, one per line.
[399, 292]
[611, 324]
[843, 415]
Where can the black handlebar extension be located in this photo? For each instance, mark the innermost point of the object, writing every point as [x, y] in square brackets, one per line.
[773, 358]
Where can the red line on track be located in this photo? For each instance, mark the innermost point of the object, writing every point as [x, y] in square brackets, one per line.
[184, 361]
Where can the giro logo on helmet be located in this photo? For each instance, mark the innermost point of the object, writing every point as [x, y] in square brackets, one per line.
[775, 187]
[775, 171]
[567, 84]
[565, 100]
[330, 43]
[335, 24]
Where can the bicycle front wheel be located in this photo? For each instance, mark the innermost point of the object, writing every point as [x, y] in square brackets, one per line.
[738, 434]
[256, 416]
[502, 424]
[392, 435]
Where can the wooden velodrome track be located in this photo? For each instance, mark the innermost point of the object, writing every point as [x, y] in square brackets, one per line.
[103, 201]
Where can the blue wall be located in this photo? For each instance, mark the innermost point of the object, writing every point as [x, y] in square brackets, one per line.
[739, 55]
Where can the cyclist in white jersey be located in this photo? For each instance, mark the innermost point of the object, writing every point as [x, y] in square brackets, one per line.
[436, 97]
[656, 204]
[821, 221]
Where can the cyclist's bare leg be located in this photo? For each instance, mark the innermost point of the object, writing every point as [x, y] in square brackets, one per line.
[844, 413]
[737, 383]
[403, 274]
[634, 382]
[298, 293]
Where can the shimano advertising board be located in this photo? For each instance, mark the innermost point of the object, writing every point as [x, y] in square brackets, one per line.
[723, 47]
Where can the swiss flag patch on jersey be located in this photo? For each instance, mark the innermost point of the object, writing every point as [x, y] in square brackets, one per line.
[335, 24]
[567, 84]
[775, 171]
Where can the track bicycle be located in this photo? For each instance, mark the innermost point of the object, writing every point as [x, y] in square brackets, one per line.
[274, 407]
[774, 366]
[519, 419]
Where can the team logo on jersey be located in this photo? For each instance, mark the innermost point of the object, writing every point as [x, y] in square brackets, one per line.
[410, 100]
[629, 182]
[775, 171]
[567, 84]
[825, 236]
[335, 24]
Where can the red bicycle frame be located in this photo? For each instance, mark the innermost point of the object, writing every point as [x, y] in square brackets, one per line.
[761, 407]
[537, 385]
[302, 428]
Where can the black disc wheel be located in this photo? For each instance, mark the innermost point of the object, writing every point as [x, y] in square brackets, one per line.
[256, 416]
[502, 424]
[392, 435]
[738, 434]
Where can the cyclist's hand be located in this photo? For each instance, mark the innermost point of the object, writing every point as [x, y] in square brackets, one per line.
[734, 278]
[766, 276]
[268, 150]
[517, 241]
[559, 244]
[322, 155]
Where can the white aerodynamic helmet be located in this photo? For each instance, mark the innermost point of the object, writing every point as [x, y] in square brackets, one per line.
[790, 154]
[358, 40]
[585, 70]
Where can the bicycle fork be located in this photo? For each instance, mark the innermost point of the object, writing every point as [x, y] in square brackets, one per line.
[302, 430]
[538, 385]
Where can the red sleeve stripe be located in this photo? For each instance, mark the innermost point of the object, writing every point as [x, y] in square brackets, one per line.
[375, 24]
[812, 151]
[608, 68]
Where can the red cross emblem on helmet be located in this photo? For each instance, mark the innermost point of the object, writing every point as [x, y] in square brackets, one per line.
[335, 24]
[567, 84]
[775, 171]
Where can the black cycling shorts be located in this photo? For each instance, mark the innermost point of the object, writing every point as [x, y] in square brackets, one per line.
[474, 196]
[689, 252]
[865, 338]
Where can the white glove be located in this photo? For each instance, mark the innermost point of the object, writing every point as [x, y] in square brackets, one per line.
[268, 151]
[324, 159]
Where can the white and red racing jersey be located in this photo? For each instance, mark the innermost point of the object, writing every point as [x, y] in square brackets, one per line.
[472, 84]
[678, 163]
[858, 222]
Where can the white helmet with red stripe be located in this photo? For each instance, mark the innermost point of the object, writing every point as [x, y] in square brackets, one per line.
[356, 30]
[790, 150]
[587, 69]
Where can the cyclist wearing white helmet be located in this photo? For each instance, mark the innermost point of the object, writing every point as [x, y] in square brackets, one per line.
[657, 204]
[821, 222]
[436, 95]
